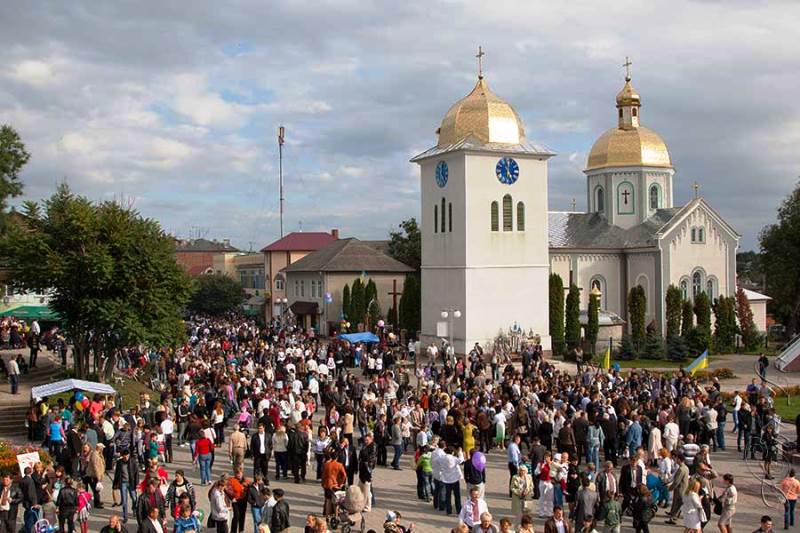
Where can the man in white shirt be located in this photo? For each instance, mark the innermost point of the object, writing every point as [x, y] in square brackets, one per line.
[167, 428]
[737, 406]
[451, 479]
[13, 375]
[437, 455]
[473, 508]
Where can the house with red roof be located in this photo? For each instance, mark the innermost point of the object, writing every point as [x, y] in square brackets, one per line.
[282, 253]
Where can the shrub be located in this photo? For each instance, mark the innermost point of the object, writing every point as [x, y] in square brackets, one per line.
[627, 351]
[557, 313]
[637, 309]
[673, 310]
[677, 350]
[8, 457]
[573, 318]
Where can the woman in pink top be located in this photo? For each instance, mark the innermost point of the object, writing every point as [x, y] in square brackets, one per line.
[791, 488]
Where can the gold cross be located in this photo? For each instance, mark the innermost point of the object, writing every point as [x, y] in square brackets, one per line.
[696, 190]
[480, 55]
[627, 64]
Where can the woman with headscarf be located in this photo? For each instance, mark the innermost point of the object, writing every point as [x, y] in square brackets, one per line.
[521, 491]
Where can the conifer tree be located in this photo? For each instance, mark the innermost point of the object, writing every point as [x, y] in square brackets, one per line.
[557, 313]
[573, 317]
[593, 321]
[673, 310]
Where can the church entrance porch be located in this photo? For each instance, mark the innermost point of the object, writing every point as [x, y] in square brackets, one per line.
[307, 314]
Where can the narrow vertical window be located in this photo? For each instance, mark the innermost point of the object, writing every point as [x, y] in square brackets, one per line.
[600, 202]
[495, 216]
[697, 284]
[435, 218]
[508, 223]
[654, 197]
[443, 226]
[694, 235]
[450, 217]
[520, 216]
[701, 235]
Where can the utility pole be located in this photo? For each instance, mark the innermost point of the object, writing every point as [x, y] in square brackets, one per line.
[281, 132]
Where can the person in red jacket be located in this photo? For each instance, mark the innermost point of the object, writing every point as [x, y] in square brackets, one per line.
[203, 453]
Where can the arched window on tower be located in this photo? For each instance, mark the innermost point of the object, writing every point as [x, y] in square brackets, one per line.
[600, 200]
[450, 217]
[697, 283]
[435, 218]
[508, 223]
[520, 216]
[443, 226]
[684, 289]
[495, 217]
[654, 197]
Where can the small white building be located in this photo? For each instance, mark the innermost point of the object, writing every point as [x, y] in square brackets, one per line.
[758, 305]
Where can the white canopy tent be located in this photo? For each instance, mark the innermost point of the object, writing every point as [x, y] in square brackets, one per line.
[65, 385]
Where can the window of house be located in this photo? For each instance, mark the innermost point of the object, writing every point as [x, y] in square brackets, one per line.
[694, 234]
[302, 288]
[697, 284]
[435, 218]
[620, 113]
[600, 201]
[296, 288]
[450, 217]
[710, 288]
[701, 235]
[634, 111]
[443, 230]
[654, 197]
[495, 217]
[684, 290]
[508, 223]
[520, 216]
[278, 283]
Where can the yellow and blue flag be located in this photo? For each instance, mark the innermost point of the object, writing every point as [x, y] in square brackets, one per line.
[698, 364]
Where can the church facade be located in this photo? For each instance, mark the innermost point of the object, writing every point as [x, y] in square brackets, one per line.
[489, 242]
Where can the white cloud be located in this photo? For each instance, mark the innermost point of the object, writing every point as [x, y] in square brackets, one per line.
[33, 72]
[203, 106]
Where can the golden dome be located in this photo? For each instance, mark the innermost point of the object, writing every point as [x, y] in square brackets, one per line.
[483, 115]
[630, 147]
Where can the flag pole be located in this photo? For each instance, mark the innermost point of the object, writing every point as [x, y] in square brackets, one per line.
[281, 132]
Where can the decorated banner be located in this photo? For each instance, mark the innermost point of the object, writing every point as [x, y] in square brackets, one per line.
[27, 460]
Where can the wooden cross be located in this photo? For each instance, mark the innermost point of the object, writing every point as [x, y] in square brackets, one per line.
[625, 195]
[627, 64]
[394, 294]
[696, 187]
[480, 55]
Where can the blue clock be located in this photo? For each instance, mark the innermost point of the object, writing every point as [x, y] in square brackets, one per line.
[441, 174]
[507, 171]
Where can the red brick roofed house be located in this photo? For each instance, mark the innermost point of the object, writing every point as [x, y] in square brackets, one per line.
[282, 253]
[196, 256]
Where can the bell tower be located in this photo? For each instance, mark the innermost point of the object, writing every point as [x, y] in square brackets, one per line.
[485, 249]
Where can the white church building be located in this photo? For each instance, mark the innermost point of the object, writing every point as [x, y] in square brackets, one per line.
[489, 242]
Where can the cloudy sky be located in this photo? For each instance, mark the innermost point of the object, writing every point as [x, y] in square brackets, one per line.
[174, 105]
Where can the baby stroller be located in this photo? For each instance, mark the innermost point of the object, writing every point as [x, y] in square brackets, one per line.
[349, 510]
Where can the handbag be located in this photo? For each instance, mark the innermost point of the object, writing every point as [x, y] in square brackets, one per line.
[717, 504]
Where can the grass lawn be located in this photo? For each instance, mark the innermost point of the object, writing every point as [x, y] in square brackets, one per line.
[129, 390]
[788, 412]
[649, 363]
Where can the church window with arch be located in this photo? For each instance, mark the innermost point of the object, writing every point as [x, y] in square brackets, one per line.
[600, 200]
[279, 282]
[435, 218]
[450, 217]
[599, 283]
[495, 217]
[520, 216]
[711, 288]
[684, 289]
[655, 196]
[443, 226]
[625, 198]
[697, 284]
[508, 223]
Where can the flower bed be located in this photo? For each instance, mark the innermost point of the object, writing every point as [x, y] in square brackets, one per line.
[8, 457]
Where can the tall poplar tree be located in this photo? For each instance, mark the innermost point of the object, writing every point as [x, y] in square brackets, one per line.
[557, 312]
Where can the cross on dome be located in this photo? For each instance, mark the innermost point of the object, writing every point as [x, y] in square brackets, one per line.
[627, 64]
[480, 55]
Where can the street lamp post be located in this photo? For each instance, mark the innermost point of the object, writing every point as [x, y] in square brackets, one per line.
[450, 313]
[283, 302]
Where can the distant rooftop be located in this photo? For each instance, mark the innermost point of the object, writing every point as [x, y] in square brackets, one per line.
[204, 245]
[349, 255]
[302, 241]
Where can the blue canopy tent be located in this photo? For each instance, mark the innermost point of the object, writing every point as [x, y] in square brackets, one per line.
[353, 338]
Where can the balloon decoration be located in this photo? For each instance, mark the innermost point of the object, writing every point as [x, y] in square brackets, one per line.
[85, 403]
[479, 461]
[79, 396]
[381, 323]
[79, 406]
[200, 514]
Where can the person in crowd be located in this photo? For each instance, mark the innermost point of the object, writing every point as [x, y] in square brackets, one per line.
[790, 486]
[472, 509]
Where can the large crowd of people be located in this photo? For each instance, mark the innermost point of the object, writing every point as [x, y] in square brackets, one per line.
[585, 451]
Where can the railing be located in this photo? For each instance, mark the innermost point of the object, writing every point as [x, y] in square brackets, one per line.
[788, 347]
[773, 383]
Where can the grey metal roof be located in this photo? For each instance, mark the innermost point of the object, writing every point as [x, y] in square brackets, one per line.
[592, 230]
[348, 255]
[471, 143]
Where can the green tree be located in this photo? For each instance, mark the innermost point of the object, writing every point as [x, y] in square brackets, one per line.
[701, 338]
[346, 301]
[673, 310]
[687, 318]
[677, 350]
[216, 294]
[653, 344]
[391, 316]
[374, 313]
[410, 302]
[572, 321]
[724, 324]
[637, 308]
[750, 336]
[13, 158]
[370, 292]
[627, 350]
[593, 321]
[358, 303]
[557, 312]
[406, 245]
[111, 274]
[780, 261]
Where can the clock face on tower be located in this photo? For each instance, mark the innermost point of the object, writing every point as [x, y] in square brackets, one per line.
[441, 174]
[507, 171]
